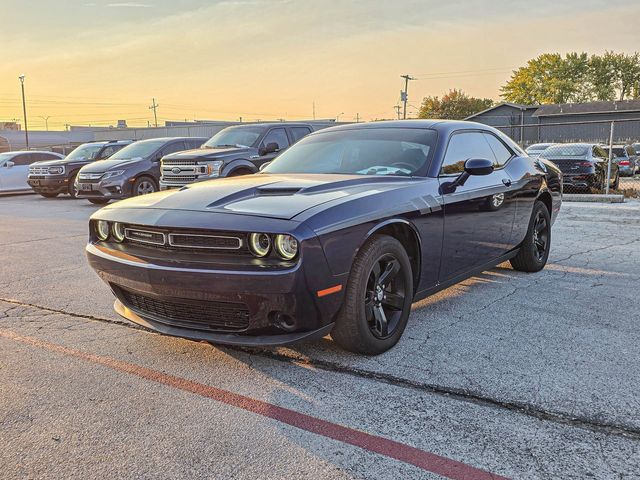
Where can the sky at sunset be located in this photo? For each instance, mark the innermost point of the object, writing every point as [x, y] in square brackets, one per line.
[97, 62]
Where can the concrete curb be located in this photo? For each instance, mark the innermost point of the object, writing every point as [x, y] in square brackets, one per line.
[574, 197]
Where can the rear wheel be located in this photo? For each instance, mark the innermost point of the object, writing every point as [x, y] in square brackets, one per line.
[534, 250]
[143, 185]
[378, 298]
[98, 201]
[49, 195]
[616, 182]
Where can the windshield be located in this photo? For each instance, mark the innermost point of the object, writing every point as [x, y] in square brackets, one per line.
[234, 137]
[88, 151]
[617, 152]
[366, 151]
[565, 151]
[140, 149]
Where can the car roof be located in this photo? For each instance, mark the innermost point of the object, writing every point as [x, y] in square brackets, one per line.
[19, 152]
[170, 139]
[437, 124]
[272, 124]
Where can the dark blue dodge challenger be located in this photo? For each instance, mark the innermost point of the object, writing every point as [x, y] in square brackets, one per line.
[338, 235]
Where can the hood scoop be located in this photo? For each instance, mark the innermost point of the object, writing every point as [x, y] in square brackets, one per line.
[278, 191]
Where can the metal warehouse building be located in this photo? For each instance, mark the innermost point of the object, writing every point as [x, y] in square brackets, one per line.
[571, 122]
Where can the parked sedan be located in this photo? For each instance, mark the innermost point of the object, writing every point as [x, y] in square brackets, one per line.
[626, 158]
[54, 177]
[14, 169]
[134, 170]
[339, 234]
[536, 149]
[584, 166]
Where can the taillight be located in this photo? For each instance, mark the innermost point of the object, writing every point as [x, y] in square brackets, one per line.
[585, 164]
[624, 163]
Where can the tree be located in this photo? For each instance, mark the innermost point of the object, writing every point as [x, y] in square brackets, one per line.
[455, 105]
[575, 78]
[550, 78]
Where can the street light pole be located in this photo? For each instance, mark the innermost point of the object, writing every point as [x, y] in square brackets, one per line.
[24, 112]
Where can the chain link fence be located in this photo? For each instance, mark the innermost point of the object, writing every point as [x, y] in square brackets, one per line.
[595, 156]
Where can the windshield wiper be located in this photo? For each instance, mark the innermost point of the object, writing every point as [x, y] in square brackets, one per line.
[235, 145]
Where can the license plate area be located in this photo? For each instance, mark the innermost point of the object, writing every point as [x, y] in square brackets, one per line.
[86, 187]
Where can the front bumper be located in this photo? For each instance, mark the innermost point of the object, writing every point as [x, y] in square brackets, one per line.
[280, 306]
[48, 184]
[112, 188]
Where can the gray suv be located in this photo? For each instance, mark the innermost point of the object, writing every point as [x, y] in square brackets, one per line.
[134, 170]
[238, 150]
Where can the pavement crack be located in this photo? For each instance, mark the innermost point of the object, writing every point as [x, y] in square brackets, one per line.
[441, 390]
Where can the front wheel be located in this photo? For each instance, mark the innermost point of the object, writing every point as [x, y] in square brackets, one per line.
[73, 187]
[534, 250]
[378, 298]
[142, 186]
[98, 201]
[49, 195]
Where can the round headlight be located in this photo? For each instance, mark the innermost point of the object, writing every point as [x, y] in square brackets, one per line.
[260, 244]
[286, 246]
[118, 232]
[102, 229]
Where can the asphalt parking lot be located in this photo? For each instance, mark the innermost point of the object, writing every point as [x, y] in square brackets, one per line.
[505, 375]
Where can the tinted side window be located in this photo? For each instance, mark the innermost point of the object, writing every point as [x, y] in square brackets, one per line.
[276, 135]
[172, 148]
[108, 151]
[25, 159]
[501, 152]
[298, 132]
[462, 147]
[194, 143]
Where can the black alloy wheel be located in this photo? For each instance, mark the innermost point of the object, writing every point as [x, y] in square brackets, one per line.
[73, 187]
[384, 297]
[534, 250]
[377, 300]
[540, 235]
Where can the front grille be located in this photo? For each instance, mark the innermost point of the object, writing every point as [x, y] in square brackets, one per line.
[177, 162]
[197, 314]
[190, 240]
[179, 180]
[88, 177]
[38, 170]
[145, 236]
[198, 240]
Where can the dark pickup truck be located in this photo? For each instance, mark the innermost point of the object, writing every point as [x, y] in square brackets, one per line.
[52, 177]
[237, 150]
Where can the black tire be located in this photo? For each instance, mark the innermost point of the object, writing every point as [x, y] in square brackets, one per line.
[534, 250]
[49, 195]
[378, 298]
[616, 182]
[98, 201]
[143, 185]
[73, 192]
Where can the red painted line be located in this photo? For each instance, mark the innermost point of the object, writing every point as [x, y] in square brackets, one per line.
[399, 451]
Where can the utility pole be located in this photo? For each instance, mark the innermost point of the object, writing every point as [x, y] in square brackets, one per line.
[357, 118]
[24, 112]
[154, 106]
[403, 95]
[397, 109]
[46, 121]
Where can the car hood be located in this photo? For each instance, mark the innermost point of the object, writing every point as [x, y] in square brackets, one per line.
[105, 165]
[51, 163]
[210, 153]
[277, 196]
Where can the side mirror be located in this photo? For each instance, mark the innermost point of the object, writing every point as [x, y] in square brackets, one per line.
[473, 166]
[269, 148]
[478, 166]
[9, 164]
[263, 166]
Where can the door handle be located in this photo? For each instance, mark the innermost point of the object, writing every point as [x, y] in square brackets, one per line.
[507, 182]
